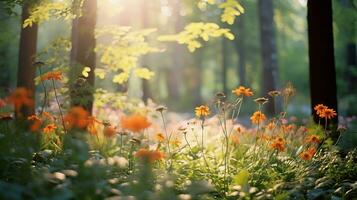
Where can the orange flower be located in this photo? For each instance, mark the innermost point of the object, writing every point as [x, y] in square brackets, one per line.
[47, 115]
[53, 75]
[305, 155]
[312, 139]
[33, 118]
[36, 123]
[328, 113]
[20, 97]
[159, 137]
[2, 103]
[202, 111]
[258, 117]
[270, 126]
[149, 155]
[278, 144]
[77, 117]
[49, 128]
[319, 108]
[91, 126]
[242, 91]
[109, 131]
[234, 139]
[135, 123]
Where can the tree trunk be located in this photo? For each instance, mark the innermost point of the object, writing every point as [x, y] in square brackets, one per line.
[321, 55]
[268, 51]
[26, 71]
[239, 45]
[83, 55]
[176, 55]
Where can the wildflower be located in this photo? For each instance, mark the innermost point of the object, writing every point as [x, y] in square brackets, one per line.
[258, 117]
[278, 144]
[202, 111]
[312, 139]
[53, 75]
[175, 142]
[319, 108]
[242, 91]
[239, 129]
[47, 115]
[109, 131]
[274, 93]
[270, 126]
[305, 155]
[288, 91]
[77, 117]
[261, 100]
[20, 97]
[160, 137]
[308, 154]
[234, 139]
[149, 155]
[2, 103]
[91, 126]
[161, 108]
[135, 123]
[328, 113]
[49, 128]
[33, 118]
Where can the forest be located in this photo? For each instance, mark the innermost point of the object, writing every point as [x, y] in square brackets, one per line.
[178, 99]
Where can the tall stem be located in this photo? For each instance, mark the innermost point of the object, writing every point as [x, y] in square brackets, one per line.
[44, 88]
[59, 106]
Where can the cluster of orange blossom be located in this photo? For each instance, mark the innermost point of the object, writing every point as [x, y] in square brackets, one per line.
[242, 91]
[38, 121]
[202, 111]
[325, 112]
[258, 117]
[278, 144]
[20, 97]
[149, 155]
[135, 122]
[308, 154]
[53, 75]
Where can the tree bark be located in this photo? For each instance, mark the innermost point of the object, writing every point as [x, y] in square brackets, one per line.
[321, 54]
[26, 71]
[83, 55]
[268, 51]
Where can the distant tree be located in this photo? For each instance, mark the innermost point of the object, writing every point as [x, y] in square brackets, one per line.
[321, 54]
[83, 55]
[239, 45]
[26, 71]
[268, 51]
[174, 76]
[225, 65]
[145, 23]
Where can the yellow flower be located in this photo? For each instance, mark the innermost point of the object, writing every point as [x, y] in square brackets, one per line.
[258, 117]
[242, 91]
[202, 111]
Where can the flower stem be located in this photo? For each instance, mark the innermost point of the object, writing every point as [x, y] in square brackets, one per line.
[59, 106]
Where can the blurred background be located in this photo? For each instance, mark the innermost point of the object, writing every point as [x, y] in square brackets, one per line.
[184, 80]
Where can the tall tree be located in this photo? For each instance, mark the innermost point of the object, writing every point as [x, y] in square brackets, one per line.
[239, 45]
[321, 54]
[224, 65]
[145, 23]
[83, 55]
[26, 71]
[173, 82]
[268, 50]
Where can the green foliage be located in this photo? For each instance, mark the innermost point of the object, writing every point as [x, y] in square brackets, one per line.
[122, 53]
[195, 32]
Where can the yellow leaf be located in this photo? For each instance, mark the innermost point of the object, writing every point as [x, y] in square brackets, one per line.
[86, 71]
